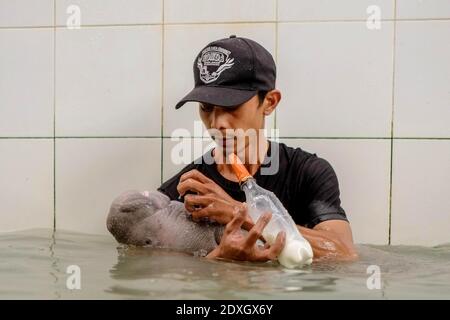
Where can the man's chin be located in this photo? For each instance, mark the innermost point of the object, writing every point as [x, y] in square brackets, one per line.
[222, 152]
[225, 149]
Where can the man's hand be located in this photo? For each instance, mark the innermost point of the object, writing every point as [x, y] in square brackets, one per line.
[210, 201]
[235, 245]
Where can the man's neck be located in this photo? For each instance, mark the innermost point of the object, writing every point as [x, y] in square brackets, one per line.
[249, 162]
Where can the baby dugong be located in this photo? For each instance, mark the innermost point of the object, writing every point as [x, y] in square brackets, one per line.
[152, 219]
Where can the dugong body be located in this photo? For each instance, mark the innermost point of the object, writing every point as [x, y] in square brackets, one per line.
[152, 219]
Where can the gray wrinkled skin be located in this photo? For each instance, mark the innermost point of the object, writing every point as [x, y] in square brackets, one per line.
[153, 220]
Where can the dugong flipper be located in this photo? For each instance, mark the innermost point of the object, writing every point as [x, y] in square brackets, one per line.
[151, 219]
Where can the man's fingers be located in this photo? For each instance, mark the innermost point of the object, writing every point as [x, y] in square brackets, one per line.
[196, 175]
[237, 221]
[206, 208]
[248, 224]
[275, 249]
[191, 185]
[255, 233]
[201, 215]
[193, 201]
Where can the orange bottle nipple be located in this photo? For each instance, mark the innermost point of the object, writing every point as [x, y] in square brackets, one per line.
[238, 167]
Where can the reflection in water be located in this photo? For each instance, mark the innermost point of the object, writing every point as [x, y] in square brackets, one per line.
[33, 266]
[160, 266]
[54, 271]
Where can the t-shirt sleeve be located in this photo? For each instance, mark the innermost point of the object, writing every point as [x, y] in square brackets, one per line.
[323, 195]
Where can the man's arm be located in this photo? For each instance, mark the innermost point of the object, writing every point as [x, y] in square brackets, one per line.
[331, 239]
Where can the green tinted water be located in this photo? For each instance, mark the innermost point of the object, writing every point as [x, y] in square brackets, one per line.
[33, 265]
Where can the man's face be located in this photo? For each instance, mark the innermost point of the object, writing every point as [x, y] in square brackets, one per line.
[249, 115]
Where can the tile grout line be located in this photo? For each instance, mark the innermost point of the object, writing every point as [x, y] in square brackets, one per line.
[276, 57]
[223, 22]
[199, 137]
[54, 116]
[392, 124]
[161, 164]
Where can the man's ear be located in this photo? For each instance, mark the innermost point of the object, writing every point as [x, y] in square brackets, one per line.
[271, 101]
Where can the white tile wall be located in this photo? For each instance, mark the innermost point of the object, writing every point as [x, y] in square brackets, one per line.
[201, 11]
[26, 82]
[26, 184]
[420, 9]
[362, 168]
[304, 10]
[99, 12]
[90, 173]
[422, 79]
[181, 45]
[180, 152]
[108, 81]
[338, 74]
[26, 13]
[421, 202]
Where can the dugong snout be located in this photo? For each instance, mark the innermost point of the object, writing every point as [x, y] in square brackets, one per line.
[151, 219]
[129, 209]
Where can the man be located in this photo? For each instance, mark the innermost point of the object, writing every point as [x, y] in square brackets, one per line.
[235, 89]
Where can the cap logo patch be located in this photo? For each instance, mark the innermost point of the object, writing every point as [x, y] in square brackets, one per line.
[212, 62]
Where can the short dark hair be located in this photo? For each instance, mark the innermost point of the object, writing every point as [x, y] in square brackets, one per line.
[261, 96]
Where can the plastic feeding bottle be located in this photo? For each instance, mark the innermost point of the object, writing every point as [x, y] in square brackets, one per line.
[297, 251]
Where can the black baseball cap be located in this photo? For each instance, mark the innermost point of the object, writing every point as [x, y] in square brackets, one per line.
[230, 71]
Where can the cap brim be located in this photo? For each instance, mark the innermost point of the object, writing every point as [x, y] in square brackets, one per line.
[218, 96]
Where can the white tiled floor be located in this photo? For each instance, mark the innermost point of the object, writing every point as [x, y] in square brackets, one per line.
[201, 11]
[422, 79]
[420, 198]
[90, 173]
[419, 9]
[26, 184]
[335, 83]
[108, 81]
[182, 44]
[301, 10]
[99, 12]
[26, 13]
[26, 82]
[362, 168]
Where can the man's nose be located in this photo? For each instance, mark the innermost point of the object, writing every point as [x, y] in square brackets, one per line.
[219, 118]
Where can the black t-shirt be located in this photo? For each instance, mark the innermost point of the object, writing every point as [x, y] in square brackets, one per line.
[306, 184]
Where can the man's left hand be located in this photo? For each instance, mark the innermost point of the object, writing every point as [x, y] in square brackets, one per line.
[235, 245]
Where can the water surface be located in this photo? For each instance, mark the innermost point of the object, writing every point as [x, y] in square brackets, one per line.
[33, 265]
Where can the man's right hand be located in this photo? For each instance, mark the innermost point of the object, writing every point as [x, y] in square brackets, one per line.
[210, 201]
